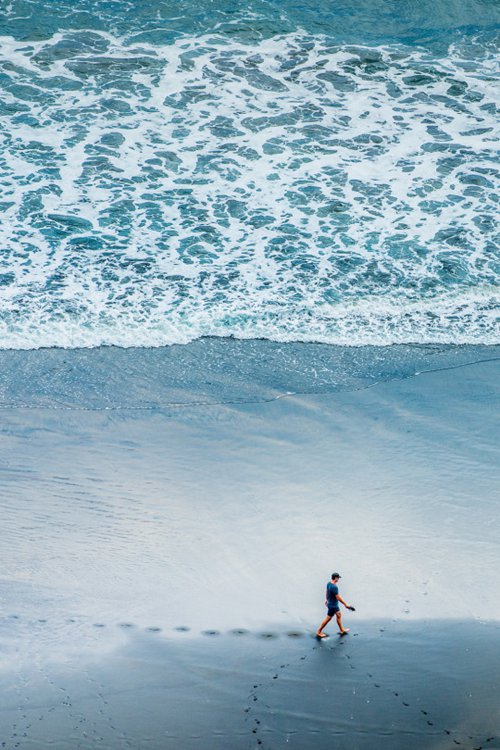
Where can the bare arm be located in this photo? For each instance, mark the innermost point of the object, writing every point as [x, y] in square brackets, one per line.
[339, 599]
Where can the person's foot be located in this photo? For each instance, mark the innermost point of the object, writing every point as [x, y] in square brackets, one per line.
[321, 635]
[344, 632]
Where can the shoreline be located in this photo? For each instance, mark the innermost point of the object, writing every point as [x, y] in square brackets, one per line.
[216, 369]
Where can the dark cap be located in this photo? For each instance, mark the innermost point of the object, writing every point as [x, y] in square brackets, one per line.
[336, 575]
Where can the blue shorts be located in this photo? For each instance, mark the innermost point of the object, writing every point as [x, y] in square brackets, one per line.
[332, 611]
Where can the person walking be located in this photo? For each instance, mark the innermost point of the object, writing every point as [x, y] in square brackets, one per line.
[332, 602]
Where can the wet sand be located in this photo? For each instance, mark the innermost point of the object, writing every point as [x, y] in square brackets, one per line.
[387, 684]
[170, 518]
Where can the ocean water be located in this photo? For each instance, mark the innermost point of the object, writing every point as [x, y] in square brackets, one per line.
[310, 171]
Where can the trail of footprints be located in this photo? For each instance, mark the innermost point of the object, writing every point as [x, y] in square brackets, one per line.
[250, 710]
[423, 714]
[264, 635]
[20, 726]
[80, 724]
[426, 716]
[253, 712]
[89, 729]
[86, 727]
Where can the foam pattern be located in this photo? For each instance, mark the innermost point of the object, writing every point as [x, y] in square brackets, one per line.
[288, 188]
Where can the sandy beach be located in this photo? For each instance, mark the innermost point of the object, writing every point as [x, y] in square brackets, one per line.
[249, 336]
[171, 516]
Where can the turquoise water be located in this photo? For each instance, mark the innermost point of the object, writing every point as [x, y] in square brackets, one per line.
[297, 172]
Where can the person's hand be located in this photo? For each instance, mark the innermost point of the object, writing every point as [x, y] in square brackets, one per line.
[353, 609]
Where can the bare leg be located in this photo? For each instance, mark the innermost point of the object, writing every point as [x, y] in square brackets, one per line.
[343, 630]
[325, 622]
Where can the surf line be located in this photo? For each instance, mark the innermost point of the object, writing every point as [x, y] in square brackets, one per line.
[236, 402]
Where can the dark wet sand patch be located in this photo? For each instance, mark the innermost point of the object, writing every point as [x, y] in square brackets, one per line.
[230, 692]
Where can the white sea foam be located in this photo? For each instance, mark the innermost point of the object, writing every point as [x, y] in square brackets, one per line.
[288, 189]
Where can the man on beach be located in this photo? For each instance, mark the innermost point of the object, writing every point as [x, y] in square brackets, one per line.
[332, 602]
